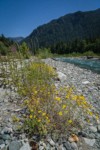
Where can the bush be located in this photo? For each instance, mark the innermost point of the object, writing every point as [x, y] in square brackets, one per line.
[48, 109]
[3, 49]
[89, 53]
[44, 53]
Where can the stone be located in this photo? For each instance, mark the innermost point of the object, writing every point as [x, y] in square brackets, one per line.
[6, 137]
[53, 148]
[7, 130]
[89, 142]
[7, 142]
[91, 136]
[55, 136]
[67, 145]
[22, 136]
[93, 129]
[42, 145]
[85, 82]
[25, 146]
[61, 147]
[74, 146]
[73, 138]
[51, 142]
[61, 76]
[36, 138]
[83, 134]
[15, 145]
[1, 141]
[3, 147]
[48, 147]
[98, 128]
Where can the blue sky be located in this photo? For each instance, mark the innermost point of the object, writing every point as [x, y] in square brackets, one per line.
[21, 17]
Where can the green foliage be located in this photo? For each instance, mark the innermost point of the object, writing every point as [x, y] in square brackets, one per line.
[89, 53]
[43, 53]
[77, 46]
[24, 50]
[48, 109]
[7, 46]
[3, 49]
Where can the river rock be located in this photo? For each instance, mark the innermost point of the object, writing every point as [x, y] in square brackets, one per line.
[42, 145]
[61, 76]
[3, 147]
[15, 145]
[74, 146]
[73, 138]
[7, 130]
[93, 129]
[61, 147]
[89, 142]
[6, 137]
[85, 82]
[67, 145]
[25, 146]
[98, 128]
[51, 142]
[1, 141]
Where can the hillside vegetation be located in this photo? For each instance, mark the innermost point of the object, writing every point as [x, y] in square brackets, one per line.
[75, 32]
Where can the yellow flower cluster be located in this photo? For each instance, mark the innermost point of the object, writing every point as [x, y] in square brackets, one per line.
[57, 98]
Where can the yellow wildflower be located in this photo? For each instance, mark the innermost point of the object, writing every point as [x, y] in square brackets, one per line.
[97, 117]
[43, 114]
[82, 97]
[35, 92]
[57, 98]
[90, 113]
[47, 117]
[48, 93]
[48, 120]
[70, 121]
[39, 120]
[39, 111]
[60, 113]
[34, 116]
[64, 106]
[31, 116]
[68, 96]
[74, 97]
[31, 110]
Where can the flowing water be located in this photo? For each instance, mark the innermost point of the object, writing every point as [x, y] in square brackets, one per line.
[92, 64]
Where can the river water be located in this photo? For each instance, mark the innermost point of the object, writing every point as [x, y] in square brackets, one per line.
[91, 64]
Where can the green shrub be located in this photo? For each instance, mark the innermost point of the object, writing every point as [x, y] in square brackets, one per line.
[44, 53]
[48, 109]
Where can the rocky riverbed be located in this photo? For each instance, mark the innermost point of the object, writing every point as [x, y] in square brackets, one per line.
[86, 83]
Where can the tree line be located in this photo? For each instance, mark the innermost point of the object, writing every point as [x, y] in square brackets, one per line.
[77, 46]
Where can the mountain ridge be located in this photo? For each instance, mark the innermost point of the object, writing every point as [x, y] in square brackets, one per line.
[77, 25]
[16, 39]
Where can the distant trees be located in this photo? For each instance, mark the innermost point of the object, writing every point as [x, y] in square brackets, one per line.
[3, 49]
[5, 44]
[77, 46]
[8, 46]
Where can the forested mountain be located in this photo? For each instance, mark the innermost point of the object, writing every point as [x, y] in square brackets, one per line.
[71, 27]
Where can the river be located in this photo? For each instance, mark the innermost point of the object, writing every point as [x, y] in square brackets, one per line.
[91, 64]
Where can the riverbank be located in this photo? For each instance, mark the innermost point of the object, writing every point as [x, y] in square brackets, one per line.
[86, 83]
[92, 64]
